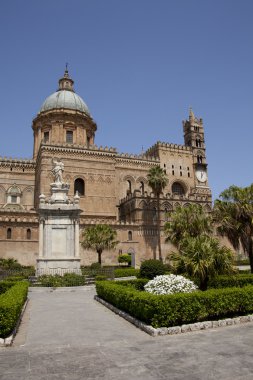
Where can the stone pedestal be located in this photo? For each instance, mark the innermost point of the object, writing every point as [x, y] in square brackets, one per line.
[58, 232]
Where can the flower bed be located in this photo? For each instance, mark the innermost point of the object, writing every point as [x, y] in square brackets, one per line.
[177, 309]
[170, 284]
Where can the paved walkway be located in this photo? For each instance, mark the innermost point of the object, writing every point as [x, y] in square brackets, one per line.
[68, 335]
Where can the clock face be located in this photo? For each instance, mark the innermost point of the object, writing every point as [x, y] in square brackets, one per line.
[201, 175]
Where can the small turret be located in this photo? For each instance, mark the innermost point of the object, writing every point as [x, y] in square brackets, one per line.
[66, 83]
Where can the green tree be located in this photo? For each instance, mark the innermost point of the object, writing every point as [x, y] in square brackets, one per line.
[190, 221]
[234, 215]
[202, 257]
[99, 238]
[157, 180]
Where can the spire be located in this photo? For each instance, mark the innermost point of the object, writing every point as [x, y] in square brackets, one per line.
[191, 115]
[66, 83]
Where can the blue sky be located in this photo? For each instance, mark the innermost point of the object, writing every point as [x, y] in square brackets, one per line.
[139, 65]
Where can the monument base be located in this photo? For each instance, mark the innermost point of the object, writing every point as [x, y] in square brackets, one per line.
[50, 266]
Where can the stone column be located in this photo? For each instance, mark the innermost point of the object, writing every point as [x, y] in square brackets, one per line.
[76, 238]
[41, 238]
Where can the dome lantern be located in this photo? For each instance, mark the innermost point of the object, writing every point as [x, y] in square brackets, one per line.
[66, 83]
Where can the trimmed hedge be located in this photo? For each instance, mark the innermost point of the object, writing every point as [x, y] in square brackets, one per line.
[68, 279]
[126, 272]
[151, 268]
[5, 285]
[11, 303]
[239, 280]
[137, 284]
[177, 309]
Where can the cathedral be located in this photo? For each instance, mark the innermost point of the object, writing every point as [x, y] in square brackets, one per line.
[112, 186]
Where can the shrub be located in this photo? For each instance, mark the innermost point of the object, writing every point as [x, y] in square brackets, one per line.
[170, 284]
[151, 268]
[126, 272]
[177, 309]
[125, 259]
[5, 285]
[11, 303]
[100, 278]
[137, 284]
[95, 266]
[242, 262]
[239, 280]
[9, 264]
[68, 279]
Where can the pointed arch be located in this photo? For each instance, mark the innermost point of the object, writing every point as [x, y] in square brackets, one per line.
[178, 188]
[28, 196]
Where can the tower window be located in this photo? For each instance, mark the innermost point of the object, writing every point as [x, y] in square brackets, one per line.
[46, 137]
[198, 143]
[142, 188]
[69, 137]
[199, 159]
[173, 172]
[180, 174]
[9, 233]
[129, 190]
[79, 186]
[177, 188]
[130, 235]
[28, 234]
[188, 174]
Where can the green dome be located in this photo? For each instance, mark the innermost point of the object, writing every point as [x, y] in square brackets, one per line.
[64, 99]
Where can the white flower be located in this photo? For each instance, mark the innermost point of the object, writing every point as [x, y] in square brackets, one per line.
[170, 284]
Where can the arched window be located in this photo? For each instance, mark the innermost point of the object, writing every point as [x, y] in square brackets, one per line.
[177, 188]
[130, 235]
[142, 187]
[8, 233]
[199, 159]
[129, 189]
[28, 234]
[166, 216]
[79, 186]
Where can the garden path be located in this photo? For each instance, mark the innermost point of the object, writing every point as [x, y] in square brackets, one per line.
[68, 335]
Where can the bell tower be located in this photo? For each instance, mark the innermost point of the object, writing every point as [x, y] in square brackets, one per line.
[194, 138]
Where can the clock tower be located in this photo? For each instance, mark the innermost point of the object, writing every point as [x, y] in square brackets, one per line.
[194, 138]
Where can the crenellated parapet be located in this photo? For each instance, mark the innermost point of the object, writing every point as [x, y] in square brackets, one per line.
[154, 151]
[17, 163]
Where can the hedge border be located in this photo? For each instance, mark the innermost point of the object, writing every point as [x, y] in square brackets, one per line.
[177, 309]
[191, 327]
[5, 342]
[11, 306]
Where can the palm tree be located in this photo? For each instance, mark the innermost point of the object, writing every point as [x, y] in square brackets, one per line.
[157, 180]
[202, 257]
[190, 221]
[234, 216]
[99, 238]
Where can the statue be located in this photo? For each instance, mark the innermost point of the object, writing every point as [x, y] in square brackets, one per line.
[57, 171]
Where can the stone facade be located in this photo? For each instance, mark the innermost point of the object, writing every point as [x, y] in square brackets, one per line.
[112, 186]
